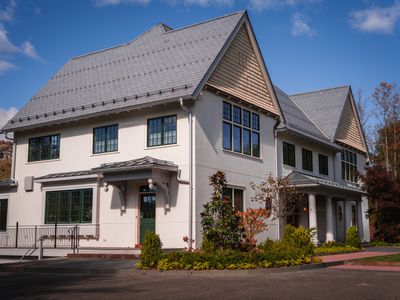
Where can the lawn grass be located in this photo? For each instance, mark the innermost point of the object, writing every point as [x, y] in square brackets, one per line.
[388, 258]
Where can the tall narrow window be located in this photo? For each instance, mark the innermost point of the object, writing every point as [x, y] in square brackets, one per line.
[323, 164]
[3, 214]
[161, 131]
[307, 160]
[105, 139]
[241, 130]
[289, 154]
[349, 166]
[70, 206]
[44, 148]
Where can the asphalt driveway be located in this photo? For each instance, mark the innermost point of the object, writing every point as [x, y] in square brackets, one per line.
[66, 281]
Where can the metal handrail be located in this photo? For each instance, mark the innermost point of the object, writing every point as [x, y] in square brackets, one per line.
[33, 247]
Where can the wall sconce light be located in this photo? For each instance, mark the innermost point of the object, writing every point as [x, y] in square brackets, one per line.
[305, 209]
[151, 183]
[106, 186]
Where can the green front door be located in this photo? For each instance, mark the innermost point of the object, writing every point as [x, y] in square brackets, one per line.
[147, 214]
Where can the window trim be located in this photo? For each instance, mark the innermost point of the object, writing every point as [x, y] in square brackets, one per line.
[319, 164]
[233, 188]
[242, 127]
[6, 199]
[304, 162]
[29, 159]
[287, 163]
[105, 147]
[162, 131]
[351, 165]
[69, 190]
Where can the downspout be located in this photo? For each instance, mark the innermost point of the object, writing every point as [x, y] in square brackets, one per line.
[276, 164]
[14, 155]
[190, 116]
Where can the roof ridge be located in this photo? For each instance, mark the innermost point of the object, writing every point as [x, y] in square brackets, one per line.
[166, 27]
[207, 21]
[321, 90]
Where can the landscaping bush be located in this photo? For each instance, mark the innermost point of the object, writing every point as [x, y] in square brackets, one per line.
[299, 238]
[326, 250]
[383, 243]
[151, 250]
[219, 221]
[352, 238]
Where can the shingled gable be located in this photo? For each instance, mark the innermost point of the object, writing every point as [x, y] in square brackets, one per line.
[159, 66]
[333, 111]
[240, 72]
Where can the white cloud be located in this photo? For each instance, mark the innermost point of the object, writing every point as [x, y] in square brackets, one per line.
[6, 66]
[300, 25]
[116, 2]
[7, 13]
[261, 5]
[376, 19]
[5, 116]
[29, 50]
[6, 47]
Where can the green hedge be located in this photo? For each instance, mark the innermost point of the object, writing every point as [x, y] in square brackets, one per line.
[335, 250]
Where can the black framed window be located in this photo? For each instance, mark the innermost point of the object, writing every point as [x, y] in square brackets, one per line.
[70, 206]
[3, 214]
[323, 164]
[105, 139]
[44, 148]
[307, 158]
[161, 131]
[241, 130]
[236, 196]
[349, 166]
[289, 154]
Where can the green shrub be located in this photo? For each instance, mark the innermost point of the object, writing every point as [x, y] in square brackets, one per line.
[151, 250]
[324, 250]
[332, 244]
[352, 238]
[207, 246]
[299, 238]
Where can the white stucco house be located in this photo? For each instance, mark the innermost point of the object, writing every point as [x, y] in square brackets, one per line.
[123, 140]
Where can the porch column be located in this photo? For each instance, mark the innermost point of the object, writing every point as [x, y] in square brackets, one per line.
[312, 215]
[360, 220]
[347, 213]
[329, 219]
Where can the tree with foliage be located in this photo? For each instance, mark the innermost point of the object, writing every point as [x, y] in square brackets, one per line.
[280, 198]
[384, 211]
[5, 159]
[219, 220]
[253, 222]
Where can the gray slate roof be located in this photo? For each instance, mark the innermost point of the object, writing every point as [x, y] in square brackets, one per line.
[7, 182]
[140, 163]
[323, 107]
[298, 178]
[296, 119]
[65, 174]
[159, 65]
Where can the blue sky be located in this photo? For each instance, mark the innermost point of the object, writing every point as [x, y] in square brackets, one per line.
[307, 44]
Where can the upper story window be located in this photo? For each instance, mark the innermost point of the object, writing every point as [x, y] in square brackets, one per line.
[323, 164]
[349, 166]
[3, 214]
[289, 154]
[70, 206]
[44, 148]
[161, 131]
[105, 139]
[241, 130]
[236, 196]
[307, 160]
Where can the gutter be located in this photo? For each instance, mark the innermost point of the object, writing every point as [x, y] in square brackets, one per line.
[190, 120]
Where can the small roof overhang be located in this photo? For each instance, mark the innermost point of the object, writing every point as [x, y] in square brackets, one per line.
[302, 180]
[6, 184]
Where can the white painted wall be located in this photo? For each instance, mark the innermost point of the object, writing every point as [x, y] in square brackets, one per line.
[116, 229]
[240, 169]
